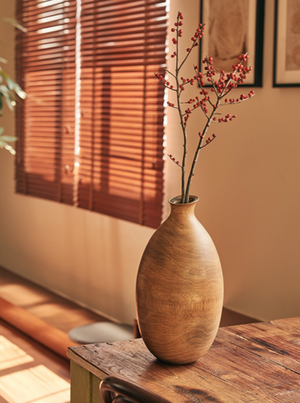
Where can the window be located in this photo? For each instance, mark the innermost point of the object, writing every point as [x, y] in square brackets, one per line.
[91, 129]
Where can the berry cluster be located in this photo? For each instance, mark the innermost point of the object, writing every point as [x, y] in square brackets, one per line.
[225, 82]
[195, 38]
[163, 81]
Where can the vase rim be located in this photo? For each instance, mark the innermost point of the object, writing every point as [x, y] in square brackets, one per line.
[176, 200]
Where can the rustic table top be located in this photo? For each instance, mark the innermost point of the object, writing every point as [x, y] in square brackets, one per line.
[258, 362]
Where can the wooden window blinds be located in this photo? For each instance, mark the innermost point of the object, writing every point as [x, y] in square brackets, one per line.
[91, 129]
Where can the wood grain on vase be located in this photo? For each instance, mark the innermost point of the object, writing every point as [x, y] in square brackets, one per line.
[179, 290]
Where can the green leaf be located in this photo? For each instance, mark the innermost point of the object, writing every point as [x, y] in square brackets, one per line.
[10, 82]
[8, 138]
[18, 90]
[7, 147]
[3, 142]
[4, 89]
[14, 23]
[11, 85]
[9, 100]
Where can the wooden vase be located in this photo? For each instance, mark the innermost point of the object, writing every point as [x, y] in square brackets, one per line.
[179, 289]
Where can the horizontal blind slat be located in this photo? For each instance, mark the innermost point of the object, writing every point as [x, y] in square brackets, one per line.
[121, 125]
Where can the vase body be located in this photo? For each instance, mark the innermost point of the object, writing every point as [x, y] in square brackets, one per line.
[179, 288]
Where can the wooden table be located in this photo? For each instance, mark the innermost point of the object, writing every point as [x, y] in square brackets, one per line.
[258, 362]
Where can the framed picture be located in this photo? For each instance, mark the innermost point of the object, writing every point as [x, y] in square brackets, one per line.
[231, 29]
[287, 43]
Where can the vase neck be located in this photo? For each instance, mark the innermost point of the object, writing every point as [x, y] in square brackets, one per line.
[177, 200]
[183, 208]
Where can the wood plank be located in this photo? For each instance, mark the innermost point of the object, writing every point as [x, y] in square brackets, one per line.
[29, 371]
[249, 363]
[281, 348]
[96, 396]
[76, 357]
[84, 386]
[48, 387]
[249, 372]
[36, 328]
[177, 383]
[36, 352]
[288, 325]
[80, 384]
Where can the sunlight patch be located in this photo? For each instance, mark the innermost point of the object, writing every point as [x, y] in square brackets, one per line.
[11, 355]
[34, 385]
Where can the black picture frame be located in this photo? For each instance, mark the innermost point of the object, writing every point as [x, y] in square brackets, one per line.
[286, 72]
[242, 34]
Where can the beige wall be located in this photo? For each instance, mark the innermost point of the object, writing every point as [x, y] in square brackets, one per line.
[248, 184]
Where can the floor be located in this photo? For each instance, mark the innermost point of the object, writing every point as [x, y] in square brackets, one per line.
[29, 372]
[35, 358]
[42, 375]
